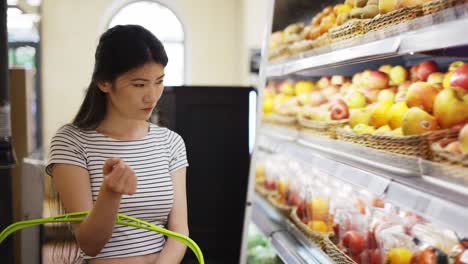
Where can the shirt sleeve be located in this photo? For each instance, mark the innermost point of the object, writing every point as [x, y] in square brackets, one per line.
[178, 154]
[66, 148]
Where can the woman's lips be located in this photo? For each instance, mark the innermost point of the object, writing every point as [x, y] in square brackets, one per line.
[147, 109]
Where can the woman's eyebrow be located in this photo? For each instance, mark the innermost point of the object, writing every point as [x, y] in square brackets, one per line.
[160, 77]
[139, 79]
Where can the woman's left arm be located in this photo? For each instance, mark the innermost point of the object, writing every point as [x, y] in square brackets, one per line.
[174, 251]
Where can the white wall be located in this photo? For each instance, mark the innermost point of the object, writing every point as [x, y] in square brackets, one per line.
[70, 32]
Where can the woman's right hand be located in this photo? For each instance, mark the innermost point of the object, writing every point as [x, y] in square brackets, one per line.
[119, 178]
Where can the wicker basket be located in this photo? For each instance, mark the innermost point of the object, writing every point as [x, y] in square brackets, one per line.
[283, 120]
[349, 30]
[349, 136]
[322, 128]
[335, 254]
[408, 145]
[260, 189]
[439, 5]
[393, 18]
[439, 141]
[283, 208]
[317, 238]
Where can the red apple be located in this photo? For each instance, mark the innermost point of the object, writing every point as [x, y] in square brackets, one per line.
[376, 79]
[339, 111]
[355, 242]
[425, 69]
[414, 73]
[459, 79]
[357, 258]
[371, 95]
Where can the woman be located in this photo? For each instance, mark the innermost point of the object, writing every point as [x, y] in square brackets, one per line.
[112, 160]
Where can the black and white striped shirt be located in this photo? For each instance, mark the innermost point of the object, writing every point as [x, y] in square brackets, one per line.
[153, 158]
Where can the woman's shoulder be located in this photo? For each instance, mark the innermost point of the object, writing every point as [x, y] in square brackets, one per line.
[72, 132]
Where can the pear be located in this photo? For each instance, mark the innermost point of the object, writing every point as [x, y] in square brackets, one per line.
[449, 110]
[396, 113]
[379, 113]
[417, 121]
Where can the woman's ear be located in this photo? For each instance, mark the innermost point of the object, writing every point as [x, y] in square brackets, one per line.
[104, 86]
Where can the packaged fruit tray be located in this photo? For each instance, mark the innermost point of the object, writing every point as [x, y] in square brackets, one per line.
[439, 5]
[349, 30]
[282, 207]
[393, 18]
[324, 128]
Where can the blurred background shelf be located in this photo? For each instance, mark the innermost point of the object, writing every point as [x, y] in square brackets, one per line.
[405, 185]
[291, 245]
[368, 48]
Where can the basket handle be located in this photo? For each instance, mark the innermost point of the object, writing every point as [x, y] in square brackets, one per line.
[121, 220]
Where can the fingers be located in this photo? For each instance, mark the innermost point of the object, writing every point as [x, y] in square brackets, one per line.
[108, 166]
[121, 178]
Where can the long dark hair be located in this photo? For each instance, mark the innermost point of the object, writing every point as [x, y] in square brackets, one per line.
[120, 49]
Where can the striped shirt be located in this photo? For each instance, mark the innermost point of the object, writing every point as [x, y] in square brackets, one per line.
[152, 158]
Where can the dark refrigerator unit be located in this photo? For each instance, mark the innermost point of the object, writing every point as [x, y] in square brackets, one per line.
[217, 125]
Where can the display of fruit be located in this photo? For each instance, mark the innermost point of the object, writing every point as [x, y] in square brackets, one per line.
[339, 110]
[375, 79]
[355, 99]
[386, 95]
[379, 114]
[454, 65]
[436, 78]
[303, 87]
[416, 121]
[387, 68]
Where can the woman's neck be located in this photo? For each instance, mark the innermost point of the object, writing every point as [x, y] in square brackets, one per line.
[123, 128]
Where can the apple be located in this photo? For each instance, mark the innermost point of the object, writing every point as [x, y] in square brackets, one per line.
[303, 87]
[425, 69]
[436, 78]
[355, 99]
[459, 78]
[376, 79]
[401, 96]
[339, 111]
[330, 91]
[324, 82]
[463, 139]
[371, 95]
[398, 75]
[354, 242]
[422, 94]
[454, 65]
[404, 86]
[386, 94]
[386, 68]
[317, 98]
[357, 79]
[414, 73]
[287, 88]
[449, 109]
[338, 80]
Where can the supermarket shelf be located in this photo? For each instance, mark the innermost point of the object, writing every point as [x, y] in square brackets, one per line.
[445, 35]
[437, 201]
[291, 245]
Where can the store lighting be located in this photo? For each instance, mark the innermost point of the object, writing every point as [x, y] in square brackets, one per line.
[14, 11]
[34, 2]
[12, 2]
[411, 53]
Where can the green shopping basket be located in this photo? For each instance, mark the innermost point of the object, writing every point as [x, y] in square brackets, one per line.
[121, 220]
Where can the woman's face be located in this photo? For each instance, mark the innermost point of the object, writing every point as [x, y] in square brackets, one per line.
[134, 94]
